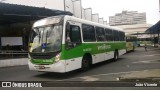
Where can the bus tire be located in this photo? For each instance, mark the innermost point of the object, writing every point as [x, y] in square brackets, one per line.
[133, 48]
[116, 55]
[85, 63]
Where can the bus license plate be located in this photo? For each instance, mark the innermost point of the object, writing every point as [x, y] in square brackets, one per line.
[41, 67]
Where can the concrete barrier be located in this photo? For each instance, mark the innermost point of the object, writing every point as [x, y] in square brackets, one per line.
[13, 62]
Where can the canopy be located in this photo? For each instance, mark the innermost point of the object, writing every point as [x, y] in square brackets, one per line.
[155, 29]
[12, 13]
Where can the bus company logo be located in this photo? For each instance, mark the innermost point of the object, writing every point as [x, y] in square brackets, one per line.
[104, 47]
[6, 84]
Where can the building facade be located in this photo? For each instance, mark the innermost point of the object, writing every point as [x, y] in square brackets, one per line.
[135, 28]
[127, 18]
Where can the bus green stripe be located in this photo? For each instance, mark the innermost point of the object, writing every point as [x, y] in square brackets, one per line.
[80, 50]
[92, 48]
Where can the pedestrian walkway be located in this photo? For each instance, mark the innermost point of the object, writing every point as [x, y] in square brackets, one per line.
[149, 50]
[152, 74]
[13, 62]
[144, 74]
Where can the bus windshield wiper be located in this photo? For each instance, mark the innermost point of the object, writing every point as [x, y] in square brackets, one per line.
[39, 38]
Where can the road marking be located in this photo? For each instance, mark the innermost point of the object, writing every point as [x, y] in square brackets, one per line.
[149, 55]
[153, 55]
[148, 61]
[89, 78]
[105, 74]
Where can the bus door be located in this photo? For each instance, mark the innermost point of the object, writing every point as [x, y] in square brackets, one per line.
[73, 45]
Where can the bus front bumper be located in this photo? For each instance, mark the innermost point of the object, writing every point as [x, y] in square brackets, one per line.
[56, 67]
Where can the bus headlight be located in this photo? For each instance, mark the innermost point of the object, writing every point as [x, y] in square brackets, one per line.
[57, 58]
[29, 57]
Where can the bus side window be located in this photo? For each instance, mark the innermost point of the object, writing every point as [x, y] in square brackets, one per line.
[67, 36]
[73, 36]
[88, 33]
[100, 34]
[121, 36]
[109, 35]
[115, 35]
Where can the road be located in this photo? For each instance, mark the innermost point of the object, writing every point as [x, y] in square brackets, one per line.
[139, 63]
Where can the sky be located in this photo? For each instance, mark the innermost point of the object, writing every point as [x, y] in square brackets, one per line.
[107, 8]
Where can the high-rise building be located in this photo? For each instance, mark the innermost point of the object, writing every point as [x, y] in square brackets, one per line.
[127, 18]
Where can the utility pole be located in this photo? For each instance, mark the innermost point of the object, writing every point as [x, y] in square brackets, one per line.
[159, 22]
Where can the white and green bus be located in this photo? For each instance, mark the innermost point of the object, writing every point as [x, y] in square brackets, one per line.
[65, 43]
[131, 43]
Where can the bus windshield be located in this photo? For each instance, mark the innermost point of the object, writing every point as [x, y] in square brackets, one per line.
[46, 38]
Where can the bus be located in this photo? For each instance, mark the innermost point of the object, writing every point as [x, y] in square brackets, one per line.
[131, 43]
[145, 40]
[66, 43]
[159, 42]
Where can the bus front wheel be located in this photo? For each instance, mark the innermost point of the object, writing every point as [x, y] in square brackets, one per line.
[85, 63]
[116, 55]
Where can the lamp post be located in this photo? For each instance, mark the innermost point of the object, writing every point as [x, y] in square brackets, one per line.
[159, 28]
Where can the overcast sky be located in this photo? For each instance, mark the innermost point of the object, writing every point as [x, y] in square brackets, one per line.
[107, 8]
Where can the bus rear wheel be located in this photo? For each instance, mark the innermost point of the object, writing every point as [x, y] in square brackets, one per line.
[85, 63]
[133, 48]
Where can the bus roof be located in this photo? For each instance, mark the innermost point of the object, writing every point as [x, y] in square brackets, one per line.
[90, 22]
[48, 20]
[67, 17]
